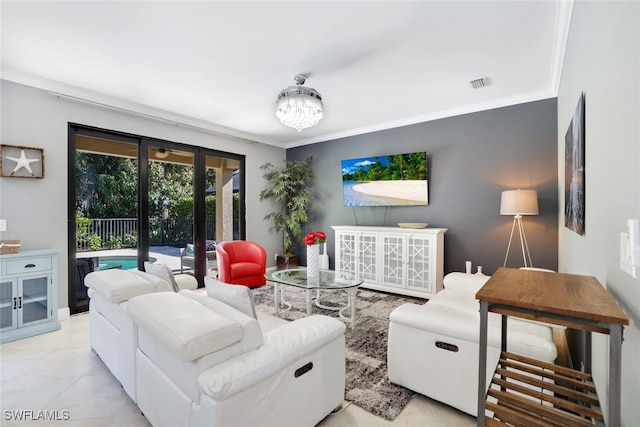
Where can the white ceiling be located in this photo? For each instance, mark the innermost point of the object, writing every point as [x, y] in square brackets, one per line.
[220, 65]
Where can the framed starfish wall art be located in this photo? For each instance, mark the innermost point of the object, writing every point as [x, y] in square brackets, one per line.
[21, 162]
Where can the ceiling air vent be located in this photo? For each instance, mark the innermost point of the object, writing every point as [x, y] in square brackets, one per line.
[479, 83]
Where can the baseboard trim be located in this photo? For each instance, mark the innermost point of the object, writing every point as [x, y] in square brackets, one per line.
[64, 313]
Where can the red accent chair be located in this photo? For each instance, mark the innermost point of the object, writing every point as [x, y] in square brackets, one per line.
[241, 262]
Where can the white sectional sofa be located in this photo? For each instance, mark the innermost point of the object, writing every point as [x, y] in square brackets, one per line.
[198, 361]
[112, 332]
[433, 348]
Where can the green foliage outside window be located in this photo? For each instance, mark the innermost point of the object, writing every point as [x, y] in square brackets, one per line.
[106, 188]
[94, 242]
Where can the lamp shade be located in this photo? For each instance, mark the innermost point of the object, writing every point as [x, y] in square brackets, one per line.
[519, 202]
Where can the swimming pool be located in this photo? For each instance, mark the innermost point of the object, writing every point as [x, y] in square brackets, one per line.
[125, 262]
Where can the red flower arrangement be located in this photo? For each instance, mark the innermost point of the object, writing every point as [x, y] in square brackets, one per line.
[314, 237]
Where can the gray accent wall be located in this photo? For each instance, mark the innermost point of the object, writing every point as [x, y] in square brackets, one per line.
[471, 159]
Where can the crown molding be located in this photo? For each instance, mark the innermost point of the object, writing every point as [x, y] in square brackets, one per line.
[77, 94]
[473, 108]
[563, 25]
[84, 96]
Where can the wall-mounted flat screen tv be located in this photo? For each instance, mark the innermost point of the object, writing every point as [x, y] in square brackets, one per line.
[394, 180]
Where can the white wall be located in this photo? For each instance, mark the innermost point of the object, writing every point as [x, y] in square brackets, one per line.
[36, 210]
[603, 60]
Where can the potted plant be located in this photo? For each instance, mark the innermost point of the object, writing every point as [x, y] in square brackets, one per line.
[288, 186]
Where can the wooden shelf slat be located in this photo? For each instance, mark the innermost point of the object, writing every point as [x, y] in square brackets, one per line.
[585, 386]
[525, 398]
[555, 388]
[530, 406]
[586, 411]
[492, 422]
[550, 366]
[508, 416]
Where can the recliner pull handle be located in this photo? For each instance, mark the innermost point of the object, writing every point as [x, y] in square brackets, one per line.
[303, 370]
[446, 346]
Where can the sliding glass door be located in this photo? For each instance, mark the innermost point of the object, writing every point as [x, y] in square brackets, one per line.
[170, 197]
[103, 208]
[134, 199]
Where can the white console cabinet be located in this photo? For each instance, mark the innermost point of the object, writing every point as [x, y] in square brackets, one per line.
[28, 294]
[392, 259]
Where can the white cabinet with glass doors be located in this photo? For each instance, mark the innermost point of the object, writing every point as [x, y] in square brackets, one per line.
[392, 259]
[28, 294]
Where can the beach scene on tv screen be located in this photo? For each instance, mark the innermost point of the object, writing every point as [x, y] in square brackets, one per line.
[394, 180]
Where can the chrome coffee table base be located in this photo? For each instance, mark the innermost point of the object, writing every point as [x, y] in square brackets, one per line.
[282, 305]
[296, 277]
[351, 306]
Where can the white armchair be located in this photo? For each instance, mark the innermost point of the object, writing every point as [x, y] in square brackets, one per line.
[433, 348]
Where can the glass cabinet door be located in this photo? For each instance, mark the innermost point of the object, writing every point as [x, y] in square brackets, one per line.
[419, 262]
[393, 247]
[346, 264]
[367, 257]
[8, 304]
[34, 300]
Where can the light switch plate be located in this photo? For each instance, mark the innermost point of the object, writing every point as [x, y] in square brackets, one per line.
[626, 263]
[3, 225]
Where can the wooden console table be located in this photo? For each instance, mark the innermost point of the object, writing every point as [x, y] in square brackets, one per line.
[569, 397]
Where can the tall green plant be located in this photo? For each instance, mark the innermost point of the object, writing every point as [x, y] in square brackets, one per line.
[288, 186]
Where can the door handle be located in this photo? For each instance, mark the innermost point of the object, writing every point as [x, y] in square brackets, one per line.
[19, 302]
[15, 303]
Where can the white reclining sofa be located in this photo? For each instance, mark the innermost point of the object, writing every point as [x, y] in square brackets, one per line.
[433, 348]
[199, 361]
[112, 332]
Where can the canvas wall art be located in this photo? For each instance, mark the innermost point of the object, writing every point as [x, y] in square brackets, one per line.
[574, 172]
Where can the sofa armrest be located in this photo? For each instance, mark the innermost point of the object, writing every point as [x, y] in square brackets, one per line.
[438, 319]
[282, 347]
[527, 339]
[465, 282]
[186, 281]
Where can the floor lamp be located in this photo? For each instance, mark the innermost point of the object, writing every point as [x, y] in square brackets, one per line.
[518, 203]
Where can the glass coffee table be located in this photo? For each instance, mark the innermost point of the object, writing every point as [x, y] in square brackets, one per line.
[326, 281]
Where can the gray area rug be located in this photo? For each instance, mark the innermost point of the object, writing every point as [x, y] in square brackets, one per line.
[367, 384]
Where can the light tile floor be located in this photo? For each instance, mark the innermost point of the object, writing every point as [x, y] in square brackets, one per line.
[59, 374]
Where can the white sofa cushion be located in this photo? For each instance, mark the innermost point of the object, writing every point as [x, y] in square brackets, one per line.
[185, 374]
[457, 300]
[163, 272]
[523, 337]
[237, 296]
[251, 331]
[464, 282]
[184, 281]
[117, 285]
[187, 328]
[161, 284]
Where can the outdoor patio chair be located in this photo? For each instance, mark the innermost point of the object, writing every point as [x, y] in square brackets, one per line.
[187, 256]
